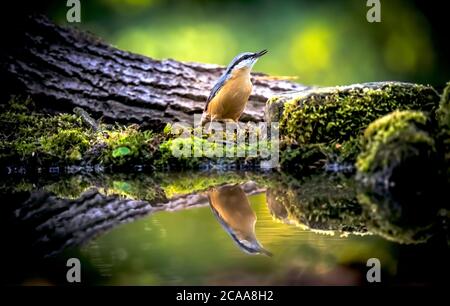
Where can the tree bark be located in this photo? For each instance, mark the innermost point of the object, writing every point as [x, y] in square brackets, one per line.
[62, 68]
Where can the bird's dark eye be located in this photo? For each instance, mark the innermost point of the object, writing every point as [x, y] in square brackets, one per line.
[244, 58]
[237, 61]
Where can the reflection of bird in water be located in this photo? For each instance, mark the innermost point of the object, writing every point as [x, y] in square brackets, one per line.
[232, 208]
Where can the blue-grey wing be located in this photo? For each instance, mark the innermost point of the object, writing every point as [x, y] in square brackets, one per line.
[220, 82]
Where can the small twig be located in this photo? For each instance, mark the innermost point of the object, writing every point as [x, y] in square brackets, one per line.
[86, 118]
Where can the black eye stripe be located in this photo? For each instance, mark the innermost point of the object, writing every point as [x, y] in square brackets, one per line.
[244, 57]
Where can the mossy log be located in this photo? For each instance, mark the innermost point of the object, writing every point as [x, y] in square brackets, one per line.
[323, 124]
[336, 114]
[63, 68]
[407, 149]
[398, 147]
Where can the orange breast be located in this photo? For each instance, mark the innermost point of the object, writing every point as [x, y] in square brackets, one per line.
[230, 101]
[233, 206]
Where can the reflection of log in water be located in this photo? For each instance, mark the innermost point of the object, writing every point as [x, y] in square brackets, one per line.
[51, 223]
[320, 203]
[55, 223]
[336, 204]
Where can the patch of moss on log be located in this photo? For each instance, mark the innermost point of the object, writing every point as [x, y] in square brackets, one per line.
[27, 135]
[399, 150]
[303, 159]
[32, 138]
[334, 115]
[443, 118]
[443, 112]
[192, 152]
[393, 139]
[334, 118]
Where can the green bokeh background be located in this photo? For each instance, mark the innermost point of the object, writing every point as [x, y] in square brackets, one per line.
[319, 42]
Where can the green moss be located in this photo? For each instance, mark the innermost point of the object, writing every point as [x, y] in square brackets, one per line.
[20, 105]
[23, 185]
[336, 117]
[443, 118]
[399, 168]
[303, 159]
[127, 145]
[64, 138]
[65, 144]
[397, 130]
[26, 134]
[443, 112]
[191, 152]
[188, 158]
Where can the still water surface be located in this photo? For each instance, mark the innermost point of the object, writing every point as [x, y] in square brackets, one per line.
[239, 232]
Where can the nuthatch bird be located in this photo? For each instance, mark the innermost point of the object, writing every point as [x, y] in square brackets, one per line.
[233, 211]
[230, 94]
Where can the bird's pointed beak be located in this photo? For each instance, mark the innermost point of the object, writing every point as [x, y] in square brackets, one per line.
[266, 252]
[260, 53]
